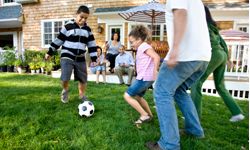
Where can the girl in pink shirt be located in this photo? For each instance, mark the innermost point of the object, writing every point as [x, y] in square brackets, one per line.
[147, 63]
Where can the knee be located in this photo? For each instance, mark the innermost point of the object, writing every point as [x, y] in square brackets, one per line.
[126, 96]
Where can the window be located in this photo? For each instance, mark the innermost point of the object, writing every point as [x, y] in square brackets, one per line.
[50, 30]
[159, 32]
[242, 27]
[8, 1]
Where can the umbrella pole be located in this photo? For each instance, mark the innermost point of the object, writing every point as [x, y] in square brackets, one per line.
[152, 24]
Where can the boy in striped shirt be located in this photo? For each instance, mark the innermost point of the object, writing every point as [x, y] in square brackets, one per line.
[74, 37]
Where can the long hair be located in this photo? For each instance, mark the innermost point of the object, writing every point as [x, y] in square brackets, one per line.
[209, 17]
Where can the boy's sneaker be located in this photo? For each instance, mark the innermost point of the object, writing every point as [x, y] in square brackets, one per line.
[237, 118]
[65, 96]
[84, 98]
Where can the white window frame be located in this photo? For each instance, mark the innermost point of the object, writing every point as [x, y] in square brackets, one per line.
[146, 24]
[43, 45]
[10, 3]
[109, 26]
[241, 24]
[15, 43]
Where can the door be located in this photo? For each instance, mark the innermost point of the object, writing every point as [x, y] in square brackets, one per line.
[115, 28]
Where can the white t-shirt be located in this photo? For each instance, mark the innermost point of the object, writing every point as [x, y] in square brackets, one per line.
[195, 44]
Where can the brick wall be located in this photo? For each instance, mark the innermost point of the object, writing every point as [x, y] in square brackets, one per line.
[59, 9]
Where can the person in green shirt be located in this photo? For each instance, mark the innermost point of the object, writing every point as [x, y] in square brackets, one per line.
[216, 66]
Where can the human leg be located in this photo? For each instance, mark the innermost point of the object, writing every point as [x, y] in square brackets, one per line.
[144, 105]
[165, 88]
[135, 104]
[130, 71]
[104, 76]
[138, 88]
[196, 93]
[97, 76]
[223, 92]
[81, 88]
[66, 71]
[80, 73]
[119, 72]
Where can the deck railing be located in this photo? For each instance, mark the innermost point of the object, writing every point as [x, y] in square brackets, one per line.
[236, 75]
[238, 53]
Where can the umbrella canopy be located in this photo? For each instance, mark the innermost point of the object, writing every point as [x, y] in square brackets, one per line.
[152, 12]
[234, 35]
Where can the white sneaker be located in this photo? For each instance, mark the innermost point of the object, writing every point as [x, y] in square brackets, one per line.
[64, 96]
[237, 118]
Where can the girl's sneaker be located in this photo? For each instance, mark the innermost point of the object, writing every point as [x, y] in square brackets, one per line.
[237, 118]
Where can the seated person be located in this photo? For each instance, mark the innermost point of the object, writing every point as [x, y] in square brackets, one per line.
[99, 66]
[124, 63]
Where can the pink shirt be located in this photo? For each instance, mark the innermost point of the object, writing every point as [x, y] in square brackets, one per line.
[144, 63]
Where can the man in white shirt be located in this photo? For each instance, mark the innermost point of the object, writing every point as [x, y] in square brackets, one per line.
[124, 64]
[188, 57]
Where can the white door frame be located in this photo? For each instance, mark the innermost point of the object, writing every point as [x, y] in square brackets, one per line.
[108, 32]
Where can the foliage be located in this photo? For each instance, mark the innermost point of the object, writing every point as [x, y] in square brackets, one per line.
[32, 117]
[9, 57]
[49, 66]
[19, 62]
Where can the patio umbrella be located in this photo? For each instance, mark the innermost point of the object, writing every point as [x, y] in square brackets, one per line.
[234, 35]
[152, 12]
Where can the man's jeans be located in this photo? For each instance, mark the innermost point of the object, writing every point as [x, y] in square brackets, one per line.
[171, 85]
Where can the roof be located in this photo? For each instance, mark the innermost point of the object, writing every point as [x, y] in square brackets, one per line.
[228, 5]
[11, 11]
[210, 5]
[111, 9]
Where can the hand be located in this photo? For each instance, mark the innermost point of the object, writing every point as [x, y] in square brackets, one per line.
[47, 56]
[229, 64]
[172, 61]
[155, 75]
[126, 65]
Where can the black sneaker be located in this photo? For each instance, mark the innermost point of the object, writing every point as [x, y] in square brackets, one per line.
[152, 145]
[84, 98]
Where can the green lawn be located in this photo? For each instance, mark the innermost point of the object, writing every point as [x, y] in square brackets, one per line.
[32, 117]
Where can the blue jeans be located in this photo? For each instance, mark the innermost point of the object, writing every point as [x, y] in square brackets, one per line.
[171, 85]
[139, 88]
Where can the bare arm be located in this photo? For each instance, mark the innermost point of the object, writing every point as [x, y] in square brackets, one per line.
[150, 52]
[180, 22]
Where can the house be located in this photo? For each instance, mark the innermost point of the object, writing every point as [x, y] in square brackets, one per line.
[33, 24]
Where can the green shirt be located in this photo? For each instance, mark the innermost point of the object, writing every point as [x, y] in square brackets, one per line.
[217, 42]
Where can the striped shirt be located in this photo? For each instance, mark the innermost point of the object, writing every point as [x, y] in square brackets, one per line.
[74, 40]
[144, 64]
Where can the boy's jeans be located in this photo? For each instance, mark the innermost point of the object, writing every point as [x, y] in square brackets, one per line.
[171, 85]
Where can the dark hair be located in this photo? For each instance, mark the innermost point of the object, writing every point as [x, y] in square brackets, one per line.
[99, 48]
[112, 38]
[83, 9]
[209, 17]
[139, 31]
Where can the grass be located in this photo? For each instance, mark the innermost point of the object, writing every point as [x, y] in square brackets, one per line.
[32, 117]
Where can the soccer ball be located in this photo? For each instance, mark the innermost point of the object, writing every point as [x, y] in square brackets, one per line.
[86, 109]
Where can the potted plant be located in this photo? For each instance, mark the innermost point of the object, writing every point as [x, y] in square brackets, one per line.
[9, 59]
[19, 64]
[32, 66]
[48, 67]
[42, 65]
